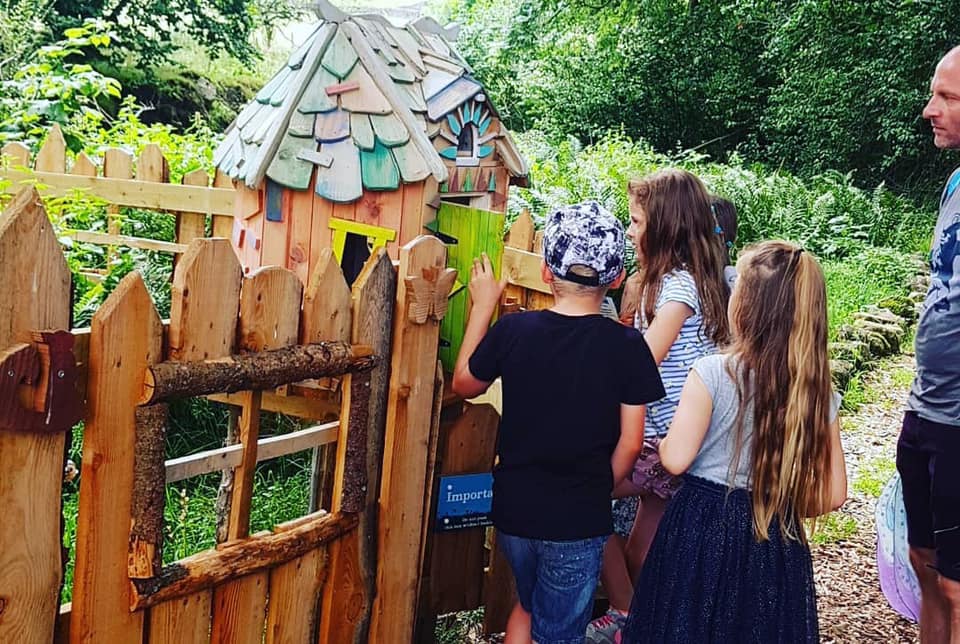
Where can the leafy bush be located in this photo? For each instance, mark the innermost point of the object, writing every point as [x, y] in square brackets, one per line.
[808, 84]
[827, 213]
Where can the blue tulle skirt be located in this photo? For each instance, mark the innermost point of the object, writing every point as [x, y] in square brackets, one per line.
[706, 579]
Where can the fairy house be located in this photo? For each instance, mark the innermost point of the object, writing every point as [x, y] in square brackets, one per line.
[356, 141]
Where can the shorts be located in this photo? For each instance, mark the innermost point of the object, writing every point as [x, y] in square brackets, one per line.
[556, 581]
[928, 459]
[649, 476]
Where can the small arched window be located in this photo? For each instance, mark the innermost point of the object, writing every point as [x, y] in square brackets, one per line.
[466, 146]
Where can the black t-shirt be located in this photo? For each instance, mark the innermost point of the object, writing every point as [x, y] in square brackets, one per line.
[564, 379]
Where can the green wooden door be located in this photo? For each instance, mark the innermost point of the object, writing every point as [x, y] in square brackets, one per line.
[475, 231]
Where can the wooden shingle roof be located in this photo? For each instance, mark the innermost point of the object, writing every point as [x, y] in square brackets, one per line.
[361, 101]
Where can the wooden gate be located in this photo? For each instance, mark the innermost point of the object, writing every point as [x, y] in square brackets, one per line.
[311, 579]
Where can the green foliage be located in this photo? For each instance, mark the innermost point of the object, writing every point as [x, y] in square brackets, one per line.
[146, 28]
[834, 527]
[52, 89]
[23, 27]
[808, 84]
[864, 238]
[827, 213]
[873, 475]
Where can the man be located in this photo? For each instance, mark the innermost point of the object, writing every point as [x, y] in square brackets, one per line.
[928, 453]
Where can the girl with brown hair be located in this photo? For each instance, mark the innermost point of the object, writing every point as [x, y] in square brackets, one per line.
[757, 438]
[682, 311]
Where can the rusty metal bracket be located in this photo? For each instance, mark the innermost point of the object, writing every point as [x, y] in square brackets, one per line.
[38, 385]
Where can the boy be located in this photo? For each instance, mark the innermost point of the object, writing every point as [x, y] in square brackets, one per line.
[574, 386]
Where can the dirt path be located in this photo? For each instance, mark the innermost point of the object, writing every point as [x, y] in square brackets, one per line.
[852, 608]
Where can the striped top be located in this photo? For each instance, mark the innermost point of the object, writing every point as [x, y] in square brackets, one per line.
[691, 344]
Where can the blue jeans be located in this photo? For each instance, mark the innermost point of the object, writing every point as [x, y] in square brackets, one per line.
[556, 581]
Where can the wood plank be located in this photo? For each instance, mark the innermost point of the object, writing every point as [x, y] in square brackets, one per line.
[520, 237]
[274, 250]
[348, 596]
[392, 94]
[184, 620]
[448, 99]
[412, 166]
[410, 401]
[340, 182]
[204, 302]
[389, 129]
[36, 295]
[426, 543]
[152, 165]
[339, 58]
[178, 469]
[239, 610]
[367, 98]
[125, 338]
[361, 130]
[326, 316]
[212, 567]
[499, 592]
[16, 154]
[297, 406]
[315, 98]
[456, 565]
[222, 224]
[252, 243]
[378, 168]
[294, 590]
[522, 269]
[301, 219]
[241, 493]
[84, 166]
[410, 216]
[105, 239]
[320, 233]
[52, 156]
[287, 168]
[126, 192]
[204, 307]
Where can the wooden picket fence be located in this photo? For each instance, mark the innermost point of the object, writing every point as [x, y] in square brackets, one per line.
[368, 568]
[348, 573]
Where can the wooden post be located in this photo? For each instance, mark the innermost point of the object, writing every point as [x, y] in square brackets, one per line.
[409, 405]
[521, 237]
[36, 295]
[455, 566]
[125, 337]
[117, 164]
[204, 303]
[326, 317]
[349, 592]
[222, 224]
[191, 225]
[269, 319]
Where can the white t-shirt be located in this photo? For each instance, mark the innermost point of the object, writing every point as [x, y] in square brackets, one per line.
[692, 343]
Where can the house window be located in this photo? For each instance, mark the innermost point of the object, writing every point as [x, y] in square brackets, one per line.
[466, 146]
[354, 242]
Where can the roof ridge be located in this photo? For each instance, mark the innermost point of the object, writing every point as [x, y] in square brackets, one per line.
[387, 87]
[274, 136]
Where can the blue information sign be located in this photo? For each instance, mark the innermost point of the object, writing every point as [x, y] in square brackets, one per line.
[463, 501]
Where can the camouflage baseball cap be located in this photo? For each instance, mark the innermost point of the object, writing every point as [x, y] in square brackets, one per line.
[586, 234]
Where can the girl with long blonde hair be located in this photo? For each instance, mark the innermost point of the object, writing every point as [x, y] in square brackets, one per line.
[757, 439]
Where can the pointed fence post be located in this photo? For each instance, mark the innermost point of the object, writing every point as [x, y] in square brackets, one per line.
[36, 295]
[421, 304]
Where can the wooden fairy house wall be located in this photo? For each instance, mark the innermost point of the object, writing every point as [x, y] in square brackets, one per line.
[355, 141]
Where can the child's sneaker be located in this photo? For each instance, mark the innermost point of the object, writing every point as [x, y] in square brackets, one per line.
[606, 629]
